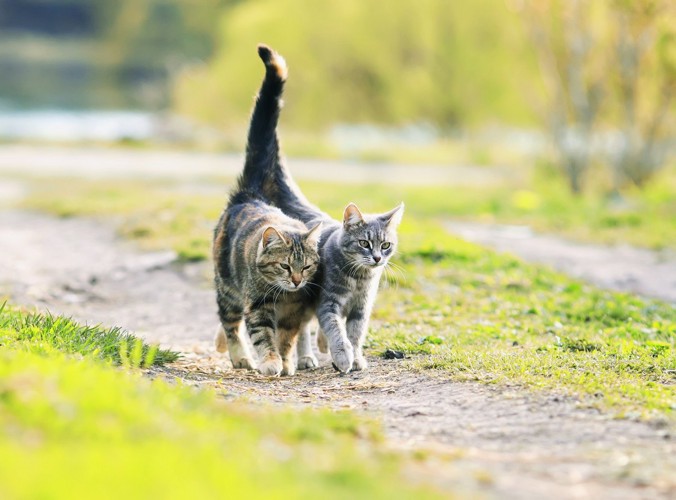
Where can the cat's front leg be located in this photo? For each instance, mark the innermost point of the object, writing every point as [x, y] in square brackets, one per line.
[357, 327]
[261, 325]
[228, 335]
[334, 329]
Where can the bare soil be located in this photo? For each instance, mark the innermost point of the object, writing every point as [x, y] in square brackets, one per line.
[479, 441]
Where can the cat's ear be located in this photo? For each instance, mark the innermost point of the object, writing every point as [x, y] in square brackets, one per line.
[393, 217]
[272, 237]
[313, 235]
[352, 216]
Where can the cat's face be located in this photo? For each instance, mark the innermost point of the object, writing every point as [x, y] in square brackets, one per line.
[287, 260]
[370, 240]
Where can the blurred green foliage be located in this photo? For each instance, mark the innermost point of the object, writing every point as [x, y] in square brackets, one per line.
[447, 63]
[116, 54]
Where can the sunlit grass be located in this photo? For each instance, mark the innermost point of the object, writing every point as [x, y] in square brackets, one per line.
[75, 426]
[38, 333]
[489, 317]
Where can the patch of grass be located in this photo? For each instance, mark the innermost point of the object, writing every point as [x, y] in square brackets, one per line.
[75, 426]
[43, 332]
[503, 321]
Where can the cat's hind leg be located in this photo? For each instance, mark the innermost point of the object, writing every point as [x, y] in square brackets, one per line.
[287, 338]
[322, 341]
[306, 358]
[220, 341]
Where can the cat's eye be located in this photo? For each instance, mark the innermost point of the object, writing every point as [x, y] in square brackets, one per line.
[386, 245]
[306, 268]
[364, 243]
[285, 267]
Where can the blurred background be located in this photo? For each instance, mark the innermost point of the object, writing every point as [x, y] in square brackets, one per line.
[585, 87]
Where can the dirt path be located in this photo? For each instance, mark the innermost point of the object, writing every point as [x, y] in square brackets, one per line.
[494, 442]
[623, 268]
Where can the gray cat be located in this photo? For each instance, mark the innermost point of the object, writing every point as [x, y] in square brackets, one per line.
[263, 259]
[353, 252]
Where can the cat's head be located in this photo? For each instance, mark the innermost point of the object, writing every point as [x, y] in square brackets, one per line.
[288, 259]
[370, 240]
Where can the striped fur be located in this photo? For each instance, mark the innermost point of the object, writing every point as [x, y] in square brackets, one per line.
[263, 259]
[353, 253]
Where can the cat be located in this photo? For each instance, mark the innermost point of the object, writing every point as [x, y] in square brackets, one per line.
[353, 252]
[263, 260]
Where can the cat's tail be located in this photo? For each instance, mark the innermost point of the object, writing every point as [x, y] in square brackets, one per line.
[262, 147]
[265, 176]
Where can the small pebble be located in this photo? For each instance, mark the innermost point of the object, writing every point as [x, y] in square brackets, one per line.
[392, 354]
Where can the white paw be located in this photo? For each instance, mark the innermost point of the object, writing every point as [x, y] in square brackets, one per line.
[271, 367]
[246, 363]
[308, 362]
[359, 362]
[343, 357]
[220, 342]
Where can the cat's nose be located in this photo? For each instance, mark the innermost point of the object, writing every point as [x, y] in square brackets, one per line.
[296, 280]
[377, 258]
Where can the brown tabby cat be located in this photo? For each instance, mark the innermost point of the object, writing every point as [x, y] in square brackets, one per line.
[262, 259]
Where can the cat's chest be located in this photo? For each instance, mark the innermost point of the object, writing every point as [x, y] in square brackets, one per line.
[290, 307]
[361, 293]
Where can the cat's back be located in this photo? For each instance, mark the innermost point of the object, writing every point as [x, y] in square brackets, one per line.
[246, 218]
[240, 228]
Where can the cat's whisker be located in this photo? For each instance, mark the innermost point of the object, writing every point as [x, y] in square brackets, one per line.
[391, 278]
[398, 269]
[311, 283]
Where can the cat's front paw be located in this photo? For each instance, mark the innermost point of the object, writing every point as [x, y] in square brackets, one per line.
[359, 362]
[244, 363]
[272, 366]
[308, 362]
[343, 357]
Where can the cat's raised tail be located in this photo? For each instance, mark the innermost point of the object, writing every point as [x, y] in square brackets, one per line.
[273, 61]
[265, 175]
[262, 148]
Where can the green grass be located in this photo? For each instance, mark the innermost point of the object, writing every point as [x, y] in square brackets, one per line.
[490, 317]
[475, 314]
[73, 425]
[44, 332]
